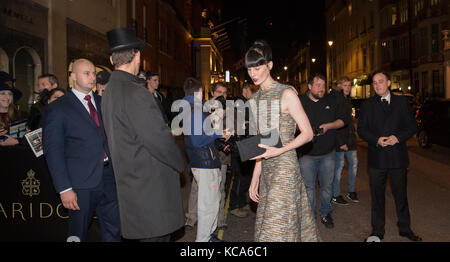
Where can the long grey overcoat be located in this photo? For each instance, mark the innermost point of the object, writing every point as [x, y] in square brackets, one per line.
[146, 160]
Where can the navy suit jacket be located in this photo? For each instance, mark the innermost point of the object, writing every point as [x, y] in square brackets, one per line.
[73, 146]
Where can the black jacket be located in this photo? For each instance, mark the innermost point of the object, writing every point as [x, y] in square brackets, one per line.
[327, 109]
[376, 121]
[347, 134]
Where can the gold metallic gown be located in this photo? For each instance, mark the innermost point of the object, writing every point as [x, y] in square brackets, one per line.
[284, 212]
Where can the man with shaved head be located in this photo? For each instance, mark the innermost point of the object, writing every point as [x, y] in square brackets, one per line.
[77, 154]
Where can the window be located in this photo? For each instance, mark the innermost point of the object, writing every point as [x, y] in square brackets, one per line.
[372, 55]
[403, 8]
[418, 7]
[395, 50]
[435, 2]
[364, 58]
[394, 15]
[371, 19]
[435, 38]
[357, 60]
[424, 82]
[386, 55]
[363, 29]
[144, 22]
[422, 44]
[438, 89]
[404, 48]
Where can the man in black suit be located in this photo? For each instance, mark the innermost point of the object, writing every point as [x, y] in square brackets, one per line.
[386, 122]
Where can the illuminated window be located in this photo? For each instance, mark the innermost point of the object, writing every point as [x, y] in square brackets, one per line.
[418, 7]
[394, 15]
[435, 2]
[403, 8]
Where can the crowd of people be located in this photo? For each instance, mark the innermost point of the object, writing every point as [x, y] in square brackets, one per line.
[111, 152]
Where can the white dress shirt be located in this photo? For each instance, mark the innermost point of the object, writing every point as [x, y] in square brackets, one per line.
[387, 97]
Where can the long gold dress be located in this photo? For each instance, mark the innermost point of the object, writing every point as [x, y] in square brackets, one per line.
[284, 212]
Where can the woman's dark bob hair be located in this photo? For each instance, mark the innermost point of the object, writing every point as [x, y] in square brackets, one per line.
[258, 54]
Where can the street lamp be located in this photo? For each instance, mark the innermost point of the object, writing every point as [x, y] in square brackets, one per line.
[330, 43]
[313, 60]
[287, 77]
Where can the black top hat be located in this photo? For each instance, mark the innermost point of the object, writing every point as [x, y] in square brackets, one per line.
[123, 39]
[5, 77]
[16, 92]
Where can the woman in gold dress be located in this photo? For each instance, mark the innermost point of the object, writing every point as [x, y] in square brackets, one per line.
[284, 213]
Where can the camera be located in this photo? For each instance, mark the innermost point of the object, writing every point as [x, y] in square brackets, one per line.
[318, 131]
[222, 101]
[227, 146]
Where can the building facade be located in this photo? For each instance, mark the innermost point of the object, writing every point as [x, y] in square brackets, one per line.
[352, 43]
[44, 36]
[402, 37]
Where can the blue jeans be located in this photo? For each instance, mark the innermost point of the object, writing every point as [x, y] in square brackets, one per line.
[352, 160]
[324, 164]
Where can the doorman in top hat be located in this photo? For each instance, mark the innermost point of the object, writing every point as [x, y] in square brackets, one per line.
[146, 159]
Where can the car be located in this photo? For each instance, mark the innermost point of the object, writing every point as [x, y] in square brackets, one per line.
[434, 124]
[412, 100]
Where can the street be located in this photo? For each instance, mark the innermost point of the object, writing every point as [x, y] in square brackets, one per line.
[428, 196]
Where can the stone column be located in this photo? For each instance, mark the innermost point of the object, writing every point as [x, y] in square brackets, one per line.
[57, 41]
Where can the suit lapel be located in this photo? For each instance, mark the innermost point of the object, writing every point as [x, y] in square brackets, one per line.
[80, 109]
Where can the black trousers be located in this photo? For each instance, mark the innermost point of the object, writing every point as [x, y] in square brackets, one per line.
[242, 177]
[378, 178]
[101, 200]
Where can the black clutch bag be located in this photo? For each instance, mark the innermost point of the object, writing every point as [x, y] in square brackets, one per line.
[248, 148]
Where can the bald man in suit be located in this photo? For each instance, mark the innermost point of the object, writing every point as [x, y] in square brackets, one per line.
[77, 154]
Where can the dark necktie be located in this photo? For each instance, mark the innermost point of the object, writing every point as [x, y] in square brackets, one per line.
[94, 116]
[93, 112]
[385, 104]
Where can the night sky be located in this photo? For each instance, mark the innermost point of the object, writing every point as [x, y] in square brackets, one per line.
[293, 23]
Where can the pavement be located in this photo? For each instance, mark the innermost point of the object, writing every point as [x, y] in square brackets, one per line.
[428, 197]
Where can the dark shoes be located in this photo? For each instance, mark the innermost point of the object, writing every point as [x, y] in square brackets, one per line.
[327, 221]
[339, 200]
[352, 197]
[411, 236]
[239, 212]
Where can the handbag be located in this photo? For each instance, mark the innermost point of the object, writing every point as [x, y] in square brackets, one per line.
[248, 148]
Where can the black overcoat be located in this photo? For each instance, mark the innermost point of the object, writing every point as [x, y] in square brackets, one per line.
[377, 121]
[146, 158]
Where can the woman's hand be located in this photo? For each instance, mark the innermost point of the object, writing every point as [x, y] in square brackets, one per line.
[270, 152]
[253, 191]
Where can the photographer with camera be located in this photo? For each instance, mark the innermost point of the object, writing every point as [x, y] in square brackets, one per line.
[326, 114]
[216, 106]
[205, 165]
